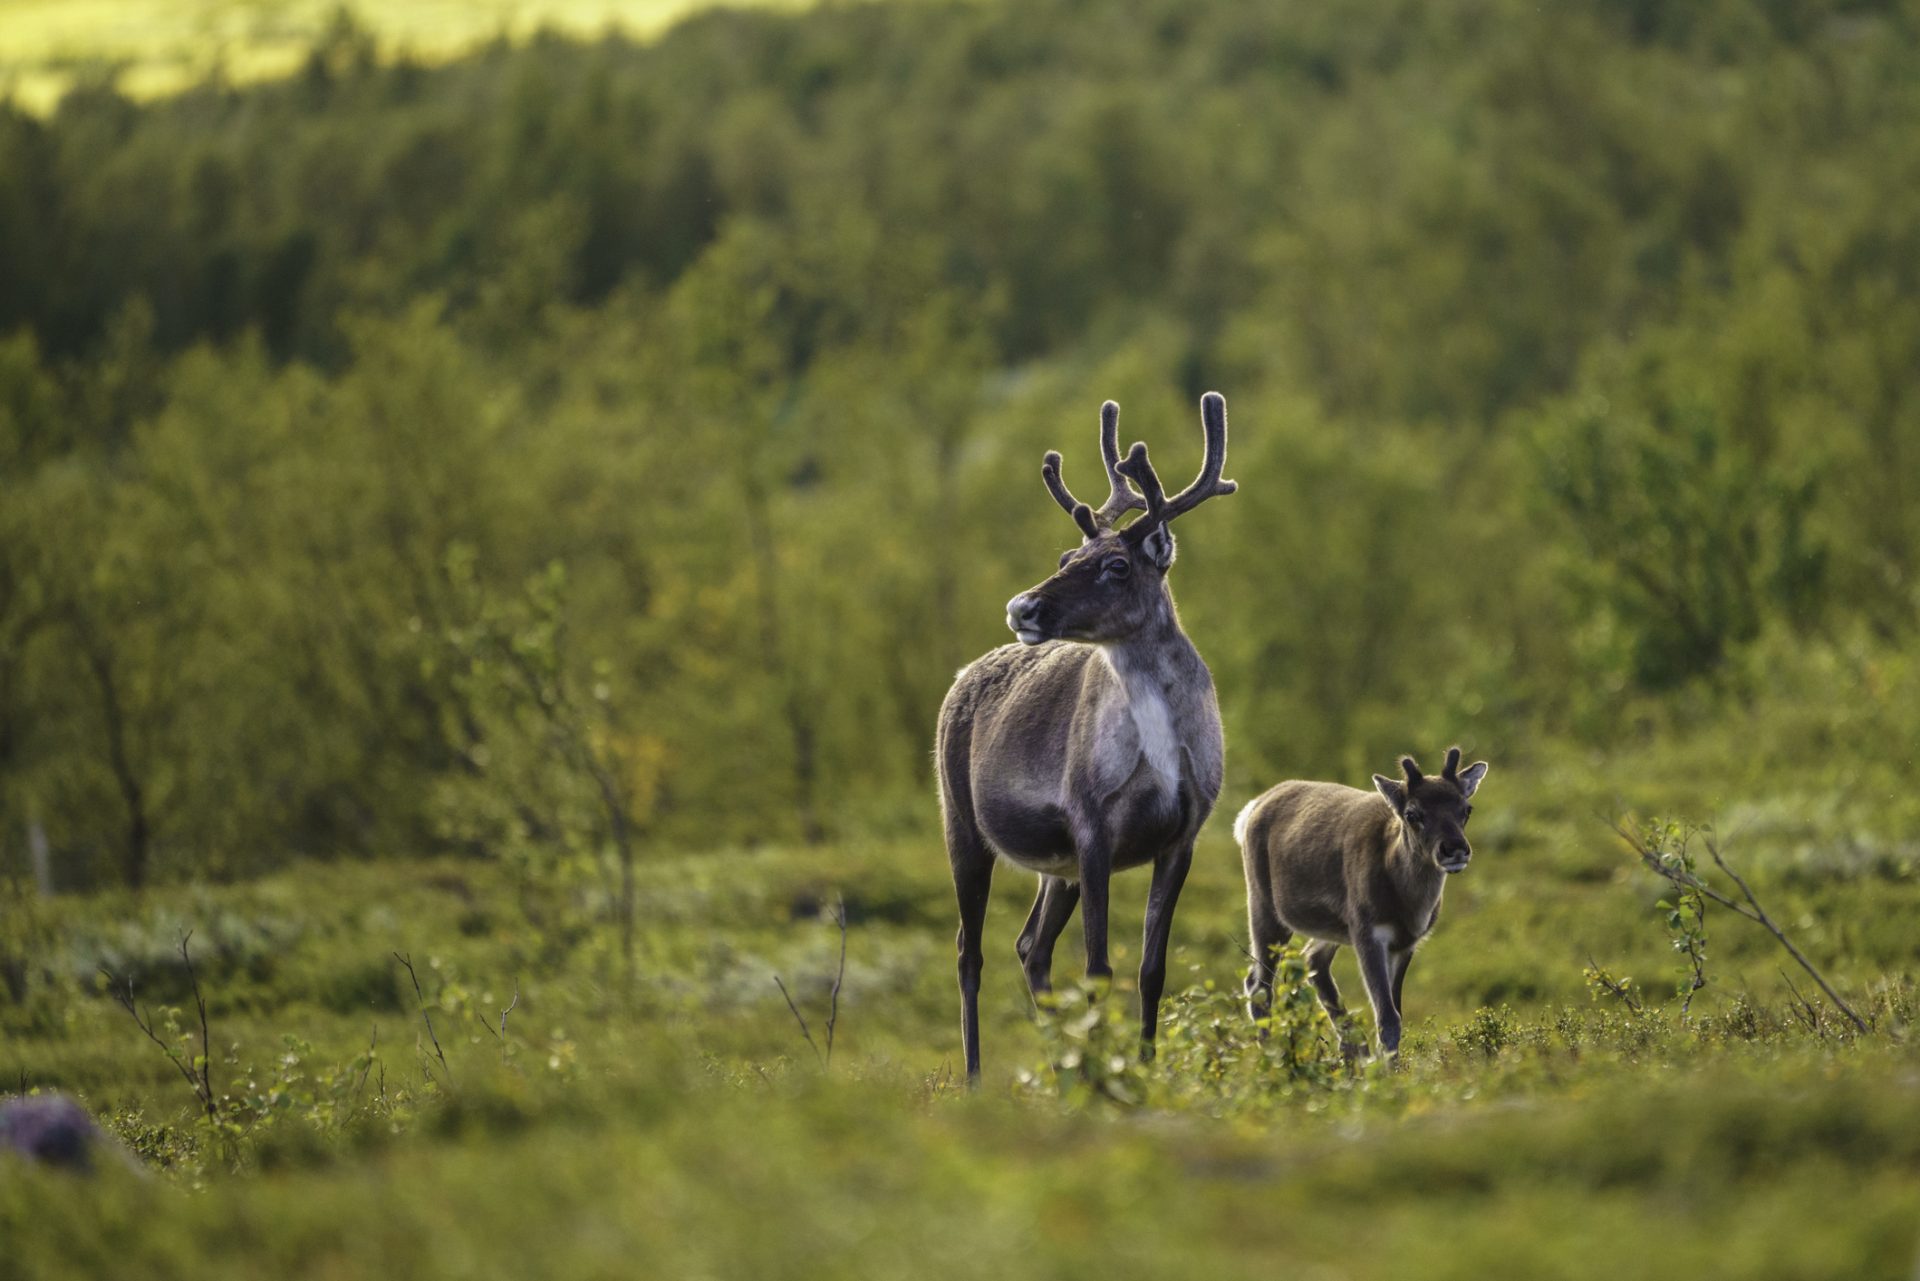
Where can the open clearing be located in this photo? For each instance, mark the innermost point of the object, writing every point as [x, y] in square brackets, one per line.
[679, 1125]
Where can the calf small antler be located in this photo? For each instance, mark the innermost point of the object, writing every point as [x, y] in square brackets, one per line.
[1414, 776]
[1120, 497]
[1453, 764]
[1160, 508]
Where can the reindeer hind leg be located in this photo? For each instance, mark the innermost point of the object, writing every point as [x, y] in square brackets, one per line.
[972, 864]
[1052, 908]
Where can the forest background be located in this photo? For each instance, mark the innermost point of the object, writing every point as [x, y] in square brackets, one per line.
[1569, 357]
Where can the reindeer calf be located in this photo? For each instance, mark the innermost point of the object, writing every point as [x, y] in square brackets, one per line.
[1337, 865]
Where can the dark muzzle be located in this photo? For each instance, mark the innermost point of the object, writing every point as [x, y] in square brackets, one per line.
[1024, 616]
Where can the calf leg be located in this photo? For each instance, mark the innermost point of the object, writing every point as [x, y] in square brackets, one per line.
[1264, 934]
[1376, 970]
[1320, 954]
[1052, 908]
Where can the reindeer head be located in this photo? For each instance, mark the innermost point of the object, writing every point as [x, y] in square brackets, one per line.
[1435, 810]
[1112, 584]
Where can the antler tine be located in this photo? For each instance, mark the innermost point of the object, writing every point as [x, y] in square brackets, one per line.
[1137, 469]
[1453, 764]
[1081, 513]
[1160, 509]
[1120, 498]
[1414, 776]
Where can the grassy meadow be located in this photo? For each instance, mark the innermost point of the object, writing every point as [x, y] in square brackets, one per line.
[674, 1121]
[486, 526]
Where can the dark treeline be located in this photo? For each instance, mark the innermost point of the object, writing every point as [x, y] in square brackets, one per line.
[599, 445]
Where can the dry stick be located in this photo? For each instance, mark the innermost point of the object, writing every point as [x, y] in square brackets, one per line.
[798, 1019]
[125, 1001]
[1760, 915]
[206, 1049]
[501, 1034]
[833, 1005]
[1804, 1010]
[510, 1004]
[407, 961]
[373, 1042]
[1751, 910]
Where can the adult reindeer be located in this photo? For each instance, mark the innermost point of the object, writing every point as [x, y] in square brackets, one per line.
[1093, 745]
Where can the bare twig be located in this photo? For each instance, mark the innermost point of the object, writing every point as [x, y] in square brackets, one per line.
[1766, 922]
[200, 1001]
[195, 1077]
[373, 1046]
[500, 1034]
[798, 1018]
[1751, 909]
[510, 1004]
[833, 1004]
[407, 961]
[1804, 1010]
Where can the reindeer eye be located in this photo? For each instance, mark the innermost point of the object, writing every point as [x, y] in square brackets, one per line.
[1415, 817]
[1117, 567]
[1464, 817]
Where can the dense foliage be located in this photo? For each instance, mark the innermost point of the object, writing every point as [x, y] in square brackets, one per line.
[580, 440]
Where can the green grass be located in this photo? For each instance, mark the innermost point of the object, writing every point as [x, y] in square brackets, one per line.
[678, 1125]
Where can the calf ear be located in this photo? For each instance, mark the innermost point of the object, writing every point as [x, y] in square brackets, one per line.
[1396, 793]
[1470, 777]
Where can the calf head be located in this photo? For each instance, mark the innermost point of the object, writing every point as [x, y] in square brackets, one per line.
[1435, 810]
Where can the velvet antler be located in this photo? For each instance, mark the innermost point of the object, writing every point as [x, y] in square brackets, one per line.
[1120, 498]
[1161, 509]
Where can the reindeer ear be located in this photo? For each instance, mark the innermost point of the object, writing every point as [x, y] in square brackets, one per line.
[1157, 546]
[1395, 792]
[1469, 778]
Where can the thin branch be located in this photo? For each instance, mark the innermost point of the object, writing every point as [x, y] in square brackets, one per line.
[510, 1004]
[1750, 909]
[833, 1004]
[1805, 1010]
[798, 1018]
[206, 1046]
[407, 961]
[373, 1043]
[1760, 915]
[124, 999]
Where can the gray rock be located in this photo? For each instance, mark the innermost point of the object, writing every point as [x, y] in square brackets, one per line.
[54, 1130]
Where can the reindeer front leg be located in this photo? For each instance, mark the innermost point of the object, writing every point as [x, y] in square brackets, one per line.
[1169, 874]
[1376, 969]
[1096, 869]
